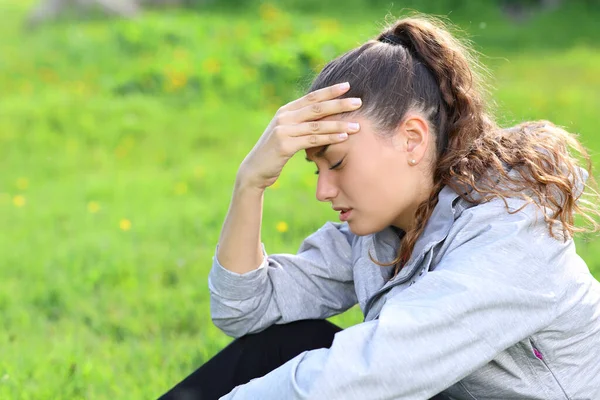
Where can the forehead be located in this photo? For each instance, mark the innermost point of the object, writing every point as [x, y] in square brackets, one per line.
[365, 126]
[314, 151]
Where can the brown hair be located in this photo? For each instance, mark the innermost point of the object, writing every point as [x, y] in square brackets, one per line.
[417, 64]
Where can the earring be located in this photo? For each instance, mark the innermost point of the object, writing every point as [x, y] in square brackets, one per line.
[413, 162]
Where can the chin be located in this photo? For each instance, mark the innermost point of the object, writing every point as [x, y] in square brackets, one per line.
[361, 229]
[368, 225]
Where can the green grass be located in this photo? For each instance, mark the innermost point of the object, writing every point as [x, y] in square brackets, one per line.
[106, 125]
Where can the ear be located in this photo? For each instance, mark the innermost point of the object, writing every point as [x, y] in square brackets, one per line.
[415, 134]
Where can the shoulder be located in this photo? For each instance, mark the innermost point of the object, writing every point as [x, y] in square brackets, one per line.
[509, 228]
[500, 211]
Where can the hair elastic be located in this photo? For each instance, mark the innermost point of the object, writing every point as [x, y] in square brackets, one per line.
[393, 39]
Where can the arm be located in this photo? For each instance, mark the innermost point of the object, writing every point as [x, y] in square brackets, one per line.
[249, 292]
[438, 331]
[239, 249]
[315, 283]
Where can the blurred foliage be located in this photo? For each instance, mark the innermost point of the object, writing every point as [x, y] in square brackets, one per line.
[431, 6]
[156, 57]
[120, 140]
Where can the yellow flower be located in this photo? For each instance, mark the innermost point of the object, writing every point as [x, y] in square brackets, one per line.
[199, 171]
[128, 142]
[121, 151]
[282, 226]
[125, 224]
[26, 88]
[19, 201]
[250, 73]
[329, 26]
[22, 183]
[212, 66]
[80, 88]
[269, 12]
[174, 80]
[241, 30]
[72, 146]
[178, 80]
[125, 146]
[268, 89]
[160, 156]
[48, 75]
[7, 135]
[93, 207]
[181, 188]
[181, 53]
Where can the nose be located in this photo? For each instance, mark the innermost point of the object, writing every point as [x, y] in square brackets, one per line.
[326, 186]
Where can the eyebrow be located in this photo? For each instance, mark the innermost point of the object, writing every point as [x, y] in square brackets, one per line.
[319, 154]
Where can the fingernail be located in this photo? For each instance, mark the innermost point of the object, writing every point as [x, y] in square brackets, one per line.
[353, 126]
[356, 101]
[344, 86]
[343, 135]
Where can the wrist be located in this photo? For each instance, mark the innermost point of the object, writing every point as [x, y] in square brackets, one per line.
[245, 185]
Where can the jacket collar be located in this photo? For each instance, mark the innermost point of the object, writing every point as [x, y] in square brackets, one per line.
[386, 242]
[449, 207]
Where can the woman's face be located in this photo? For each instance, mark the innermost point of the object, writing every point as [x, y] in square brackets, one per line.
[375, 178]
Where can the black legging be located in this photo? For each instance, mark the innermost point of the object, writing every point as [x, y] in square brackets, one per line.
[252, 356]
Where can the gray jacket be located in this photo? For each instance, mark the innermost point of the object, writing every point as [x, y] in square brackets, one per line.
[488, 307]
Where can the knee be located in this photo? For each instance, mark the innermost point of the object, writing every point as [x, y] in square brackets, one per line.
[183, 393]
[317, 331]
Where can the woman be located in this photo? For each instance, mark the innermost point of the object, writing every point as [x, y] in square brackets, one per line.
[455, 240]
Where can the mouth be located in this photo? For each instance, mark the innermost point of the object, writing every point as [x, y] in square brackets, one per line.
[345, 214]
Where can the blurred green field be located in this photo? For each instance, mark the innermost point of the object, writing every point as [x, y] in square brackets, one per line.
[120, 141]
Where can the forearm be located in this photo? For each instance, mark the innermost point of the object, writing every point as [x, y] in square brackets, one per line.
[239, 244]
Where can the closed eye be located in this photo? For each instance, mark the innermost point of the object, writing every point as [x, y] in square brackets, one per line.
[332, 167]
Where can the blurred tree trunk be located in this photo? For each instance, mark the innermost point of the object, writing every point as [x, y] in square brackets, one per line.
[50, 9]
[522, 10]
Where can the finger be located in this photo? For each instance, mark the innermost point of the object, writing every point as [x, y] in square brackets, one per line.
[328, 93]
[308, 141]
[319, 127]
[323, 109]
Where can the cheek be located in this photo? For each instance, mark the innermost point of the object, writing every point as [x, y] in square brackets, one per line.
[377, 184]
[366, 182]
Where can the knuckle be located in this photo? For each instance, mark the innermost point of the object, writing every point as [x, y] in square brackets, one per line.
[314, 126]
[317, 109]
[312, 96]
[312, 139]
[279, 119]
[277, 131]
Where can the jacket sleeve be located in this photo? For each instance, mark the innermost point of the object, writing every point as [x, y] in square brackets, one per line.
[315, 283]
[498, 285]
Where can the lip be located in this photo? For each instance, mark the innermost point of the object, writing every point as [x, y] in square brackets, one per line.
[344, 216]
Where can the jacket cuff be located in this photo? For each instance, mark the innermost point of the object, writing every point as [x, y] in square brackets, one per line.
[235, 286]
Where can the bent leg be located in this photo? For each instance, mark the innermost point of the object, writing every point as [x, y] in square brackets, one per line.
[252, 356]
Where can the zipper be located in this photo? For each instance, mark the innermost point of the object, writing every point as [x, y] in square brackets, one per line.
[396, 282]
[540, 356]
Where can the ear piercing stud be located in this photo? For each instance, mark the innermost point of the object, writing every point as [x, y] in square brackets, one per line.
[413, 162]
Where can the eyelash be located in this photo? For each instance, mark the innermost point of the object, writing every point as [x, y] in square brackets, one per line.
[333, 167]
